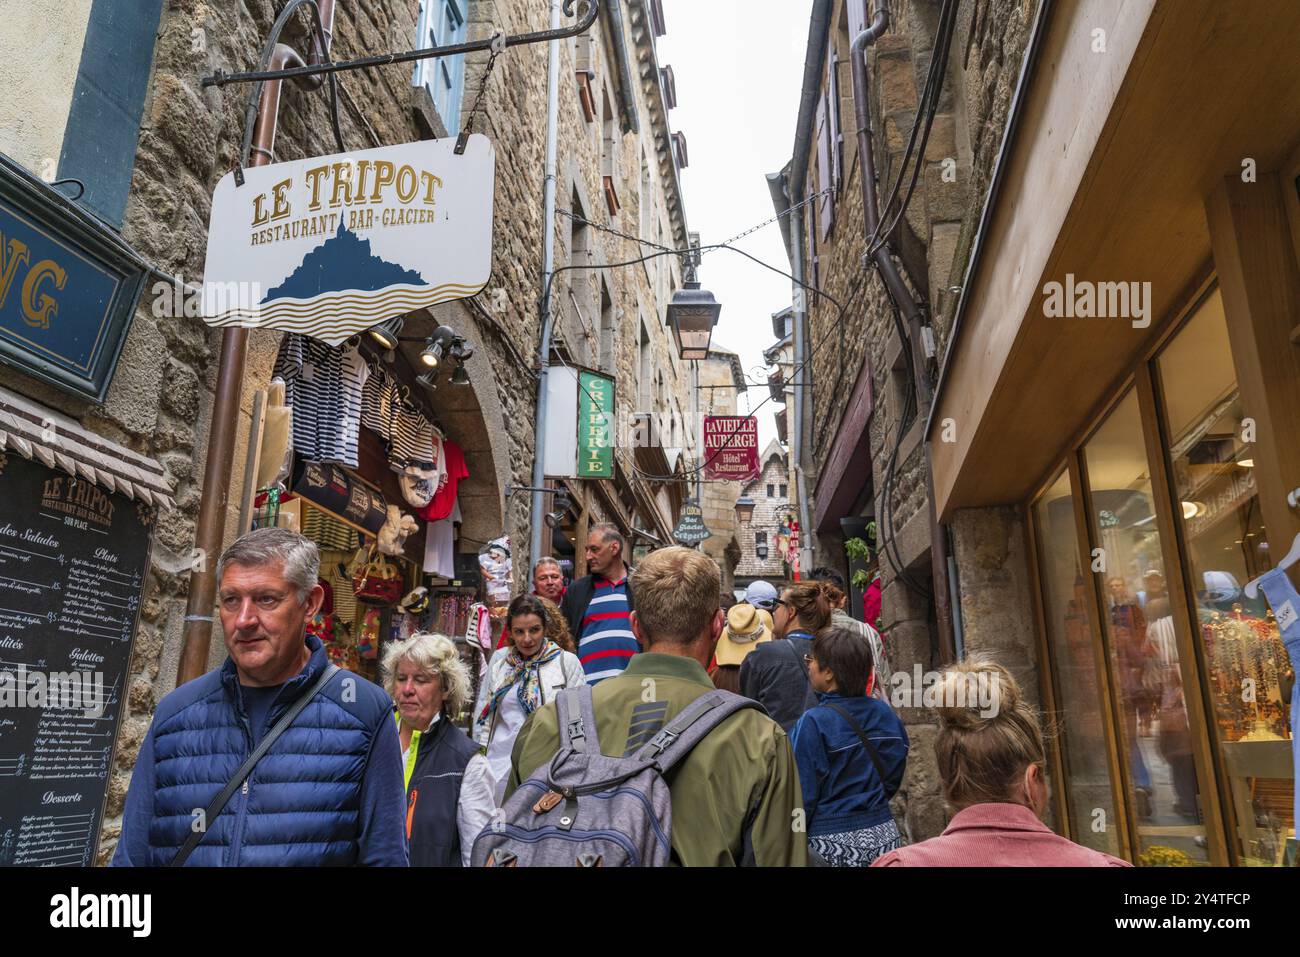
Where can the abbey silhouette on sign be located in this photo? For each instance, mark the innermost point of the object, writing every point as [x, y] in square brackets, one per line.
[344, 261]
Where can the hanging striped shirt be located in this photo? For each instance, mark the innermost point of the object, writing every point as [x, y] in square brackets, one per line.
[606, 642]
[409, 437]
[323, 384]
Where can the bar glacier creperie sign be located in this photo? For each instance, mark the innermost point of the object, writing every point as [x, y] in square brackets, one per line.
[332, 245]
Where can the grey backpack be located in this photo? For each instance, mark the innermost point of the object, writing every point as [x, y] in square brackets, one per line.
[585, 809]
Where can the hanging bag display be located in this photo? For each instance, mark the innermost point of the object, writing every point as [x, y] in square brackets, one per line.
[377, 582]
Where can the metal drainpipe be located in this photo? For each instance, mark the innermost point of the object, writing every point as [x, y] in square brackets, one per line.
[210, 527]
[537, 522]
[798, 316]
[614, 10]
[898, 291]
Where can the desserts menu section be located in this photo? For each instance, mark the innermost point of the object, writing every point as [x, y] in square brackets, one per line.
[72, 565]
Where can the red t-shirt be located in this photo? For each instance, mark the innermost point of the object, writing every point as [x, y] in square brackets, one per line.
[444, 499]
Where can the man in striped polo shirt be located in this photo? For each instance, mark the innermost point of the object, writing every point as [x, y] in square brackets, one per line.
[598, 605]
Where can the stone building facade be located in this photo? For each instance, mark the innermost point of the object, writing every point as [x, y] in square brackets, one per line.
[617, 168]
[859, 463]
[722, 379]
[760, 547]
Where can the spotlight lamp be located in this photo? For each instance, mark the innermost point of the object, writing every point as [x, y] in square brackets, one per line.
[387, 332]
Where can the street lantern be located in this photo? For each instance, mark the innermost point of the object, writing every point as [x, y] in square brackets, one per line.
[693, 313]
[744, 509]
[761, 552]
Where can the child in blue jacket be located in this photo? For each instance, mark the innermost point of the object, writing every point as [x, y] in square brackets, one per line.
[851, 751]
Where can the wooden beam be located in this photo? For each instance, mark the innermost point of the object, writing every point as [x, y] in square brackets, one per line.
[1260, 283]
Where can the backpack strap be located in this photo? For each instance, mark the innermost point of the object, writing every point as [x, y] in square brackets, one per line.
[676, 739]
[872, 753]
[577, 720]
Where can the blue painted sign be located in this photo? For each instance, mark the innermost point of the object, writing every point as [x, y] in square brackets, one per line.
[68, 287]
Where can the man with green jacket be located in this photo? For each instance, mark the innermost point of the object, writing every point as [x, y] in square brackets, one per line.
[735, 797]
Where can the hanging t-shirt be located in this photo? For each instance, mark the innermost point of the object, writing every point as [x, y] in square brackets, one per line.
[323, 386]
[409, 437]
[411, 442]
[439, 545]
[445, 498]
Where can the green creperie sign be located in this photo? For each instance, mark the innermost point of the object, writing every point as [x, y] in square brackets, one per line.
[595, 426]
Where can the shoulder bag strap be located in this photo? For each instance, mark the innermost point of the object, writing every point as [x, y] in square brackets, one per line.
[866, 742]
[799, 658]
[219, 802]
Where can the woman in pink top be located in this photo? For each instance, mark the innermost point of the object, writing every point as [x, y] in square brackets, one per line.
[992, 763]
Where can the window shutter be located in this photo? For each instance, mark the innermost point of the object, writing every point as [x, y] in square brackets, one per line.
[826, 202]
[857, 17]
[103, 127]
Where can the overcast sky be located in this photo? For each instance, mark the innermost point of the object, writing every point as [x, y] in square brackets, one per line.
[738, 66]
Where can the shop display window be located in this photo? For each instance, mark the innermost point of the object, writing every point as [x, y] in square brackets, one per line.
[1147, 675]
[1079, 719]
[1212, 470]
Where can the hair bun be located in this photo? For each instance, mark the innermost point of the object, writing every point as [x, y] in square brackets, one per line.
[972, 695]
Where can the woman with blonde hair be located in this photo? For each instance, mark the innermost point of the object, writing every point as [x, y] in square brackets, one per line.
[992, 763]
[449, 787]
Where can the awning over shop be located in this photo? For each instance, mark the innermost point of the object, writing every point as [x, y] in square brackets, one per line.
[39, 433]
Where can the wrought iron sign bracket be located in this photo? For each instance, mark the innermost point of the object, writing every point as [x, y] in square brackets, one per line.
[592, 8]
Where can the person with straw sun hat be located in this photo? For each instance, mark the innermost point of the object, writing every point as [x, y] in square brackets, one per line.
[747, 627]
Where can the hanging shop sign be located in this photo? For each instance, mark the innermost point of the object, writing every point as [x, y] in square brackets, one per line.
[561, 423]
[73, 558]
[333, 489]
[332, 245]
[691, 528]
[68, 287]
[731, 447]
[595, 426]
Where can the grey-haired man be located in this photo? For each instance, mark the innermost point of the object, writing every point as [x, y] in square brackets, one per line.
[328, 791]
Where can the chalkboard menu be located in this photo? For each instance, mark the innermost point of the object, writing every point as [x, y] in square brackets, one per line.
[72, 565]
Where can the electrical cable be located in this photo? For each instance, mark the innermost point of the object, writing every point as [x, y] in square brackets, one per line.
[925, 118]
[546, 295]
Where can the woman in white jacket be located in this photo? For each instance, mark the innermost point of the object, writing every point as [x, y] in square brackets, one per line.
[521, 677]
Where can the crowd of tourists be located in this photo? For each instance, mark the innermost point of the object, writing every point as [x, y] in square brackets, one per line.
[636, 716]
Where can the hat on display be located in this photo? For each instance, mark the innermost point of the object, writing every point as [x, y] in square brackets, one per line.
[762, 595]
[416, 601]
[417, 488]
[747, 628]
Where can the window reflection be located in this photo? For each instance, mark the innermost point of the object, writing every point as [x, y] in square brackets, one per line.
[1211, 461]
[1079, 719]
[1145, 666]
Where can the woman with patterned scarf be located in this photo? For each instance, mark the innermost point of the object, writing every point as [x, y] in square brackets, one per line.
[519, 679]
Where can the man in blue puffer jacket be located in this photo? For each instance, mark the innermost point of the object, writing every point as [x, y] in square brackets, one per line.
[329, 790]
[851, 751]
